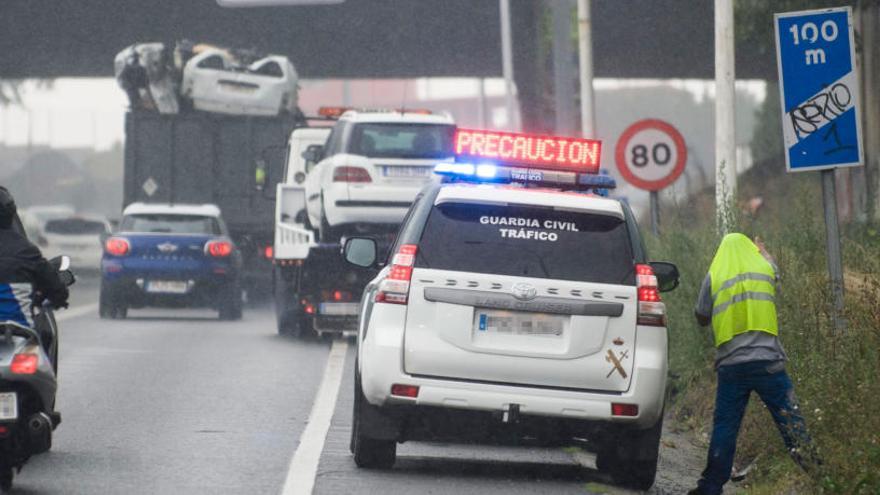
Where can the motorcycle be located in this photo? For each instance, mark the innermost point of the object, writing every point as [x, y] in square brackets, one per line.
[28, 382]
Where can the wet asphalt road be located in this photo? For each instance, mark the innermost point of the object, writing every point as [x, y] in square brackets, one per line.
[179, 402]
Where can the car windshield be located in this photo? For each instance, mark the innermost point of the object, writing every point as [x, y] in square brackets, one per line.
[170, 224]
[75, 226]
[527, 241]
[376, 140]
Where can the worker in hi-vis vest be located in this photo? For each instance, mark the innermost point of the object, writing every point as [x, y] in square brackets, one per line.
[738, 299]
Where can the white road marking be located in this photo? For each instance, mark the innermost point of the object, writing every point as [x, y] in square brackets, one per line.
[67, 314]
[304, 465]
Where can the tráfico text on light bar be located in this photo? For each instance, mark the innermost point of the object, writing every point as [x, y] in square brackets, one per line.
[546, 152]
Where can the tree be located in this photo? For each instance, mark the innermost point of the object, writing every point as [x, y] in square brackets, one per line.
[754, 26]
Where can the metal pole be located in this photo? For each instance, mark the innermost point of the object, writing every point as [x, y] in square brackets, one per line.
[655, 213]
[563, 66]
[346, 93]
[832, 238]
[585, 58]
[481, 108]
[507, 62]
[725, 143]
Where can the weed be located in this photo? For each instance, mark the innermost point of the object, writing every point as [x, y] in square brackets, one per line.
[835, 373]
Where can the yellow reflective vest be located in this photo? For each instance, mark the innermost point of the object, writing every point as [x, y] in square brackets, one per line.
[743, 290]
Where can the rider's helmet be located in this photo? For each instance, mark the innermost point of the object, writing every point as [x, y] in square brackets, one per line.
[7, 208]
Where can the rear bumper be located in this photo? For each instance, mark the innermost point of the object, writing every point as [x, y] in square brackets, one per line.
[368, 203]
[380, 361]
[204, 291]
[335, 324]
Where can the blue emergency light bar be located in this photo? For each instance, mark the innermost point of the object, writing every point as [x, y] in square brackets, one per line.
[491, 173]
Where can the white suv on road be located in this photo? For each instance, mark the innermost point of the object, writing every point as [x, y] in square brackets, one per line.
[513, 314]
[372, 166]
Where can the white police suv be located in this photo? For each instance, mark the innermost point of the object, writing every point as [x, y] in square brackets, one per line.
[517, 305]
[371, 168]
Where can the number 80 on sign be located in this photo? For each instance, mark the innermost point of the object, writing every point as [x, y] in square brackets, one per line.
[651, 154]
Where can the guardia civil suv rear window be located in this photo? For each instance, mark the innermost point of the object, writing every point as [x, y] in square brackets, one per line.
[527, 241]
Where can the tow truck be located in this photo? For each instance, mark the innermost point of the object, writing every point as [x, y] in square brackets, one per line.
[361, 182]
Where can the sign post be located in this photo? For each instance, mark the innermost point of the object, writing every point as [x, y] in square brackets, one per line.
[821, 127]
[651, 155]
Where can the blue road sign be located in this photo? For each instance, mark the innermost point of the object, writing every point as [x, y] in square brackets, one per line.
[819, 89]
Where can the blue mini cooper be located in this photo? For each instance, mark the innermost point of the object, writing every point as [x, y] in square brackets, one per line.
[170, 255]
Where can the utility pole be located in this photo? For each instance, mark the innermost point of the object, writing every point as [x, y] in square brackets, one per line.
[563, 66]
[725, 140]
[482, 110]
[869, 16]
[585, 58]
[346, 92]
[507, 62]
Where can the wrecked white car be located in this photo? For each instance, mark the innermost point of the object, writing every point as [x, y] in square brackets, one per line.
[215, 81]
[146, 73]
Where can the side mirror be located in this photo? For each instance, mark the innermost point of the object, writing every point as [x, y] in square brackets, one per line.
[360, 251]
[268, 170]
[314, 153]
[667, 275]
[60, 263]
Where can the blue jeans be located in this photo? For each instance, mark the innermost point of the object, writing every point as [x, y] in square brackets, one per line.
[735, 384]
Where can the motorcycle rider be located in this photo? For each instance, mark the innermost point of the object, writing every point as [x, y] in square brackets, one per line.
[24, 271]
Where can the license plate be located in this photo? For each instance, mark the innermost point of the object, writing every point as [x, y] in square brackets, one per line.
[338, 309]
[515, 323]
[407, 171]
[238, 87]
[8, 406]
[166, 287]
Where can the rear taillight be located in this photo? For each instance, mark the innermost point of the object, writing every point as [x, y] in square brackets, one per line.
[218, 249]
[269, 252]
[394, 288]
[117, 246]
[624, 409]
[25, 363]
[411, 391]
[337, 295]
[351, 174]
[652, 311]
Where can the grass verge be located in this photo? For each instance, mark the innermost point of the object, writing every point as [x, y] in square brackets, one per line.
[836, 374]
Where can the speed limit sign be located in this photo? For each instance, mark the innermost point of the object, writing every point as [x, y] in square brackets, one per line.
[651, 154]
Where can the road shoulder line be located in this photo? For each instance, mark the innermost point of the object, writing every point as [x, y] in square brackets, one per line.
[304, 464]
